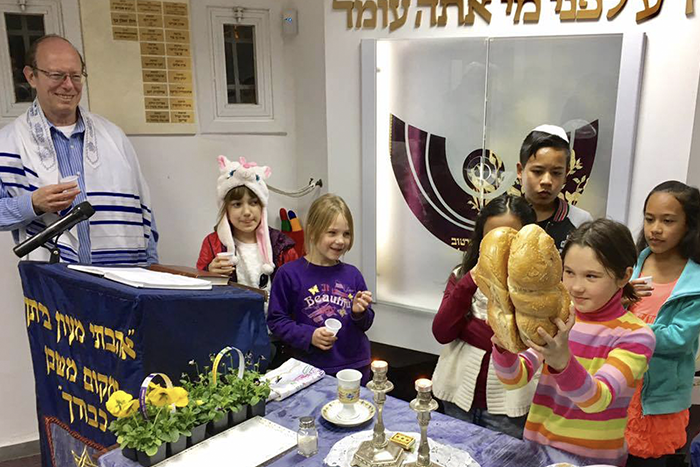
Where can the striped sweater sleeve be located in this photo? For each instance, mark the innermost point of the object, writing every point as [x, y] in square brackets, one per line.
[618, 376]
[515, 370]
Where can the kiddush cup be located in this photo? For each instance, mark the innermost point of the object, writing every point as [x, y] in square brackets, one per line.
[348, 393]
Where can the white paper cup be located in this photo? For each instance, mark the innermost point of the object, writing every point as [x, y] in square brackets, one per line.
[69, 179]
[348, 393]
[646, 279]
[333, 325]
[226, 256]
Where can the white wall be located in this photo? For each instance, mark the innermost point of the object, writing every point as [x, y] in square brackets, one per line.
[181, 173]
[670, 87]
[18, 422]
[694, 162]
[308, 71]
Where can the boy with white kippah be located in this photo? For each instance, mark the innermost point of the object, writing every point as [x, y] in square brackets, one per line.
[542, 170]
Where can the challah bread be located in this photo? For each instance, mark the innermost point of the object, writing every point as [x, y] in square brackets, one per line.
[491, 276]
[539, 309]
[534, 283]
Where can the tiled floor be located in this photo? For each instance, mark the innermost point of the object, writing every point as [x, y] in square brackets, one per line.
[31, 461]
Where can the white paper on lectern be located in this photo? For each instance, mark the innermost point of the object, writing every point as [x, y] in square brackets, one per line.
[241, 446]
[145, 278]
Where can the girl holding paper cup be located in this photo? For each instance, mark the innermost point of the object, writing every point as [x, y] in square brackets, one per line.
[242, 245]
[319, 305]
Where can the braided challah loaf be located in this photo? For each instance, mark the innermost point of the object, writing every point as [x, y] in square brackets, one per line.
[520, 273]
[534, 283]
[491, 275]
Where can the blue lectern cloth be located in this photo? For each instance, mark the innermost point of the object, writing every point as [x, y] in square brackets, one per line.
[90, 336]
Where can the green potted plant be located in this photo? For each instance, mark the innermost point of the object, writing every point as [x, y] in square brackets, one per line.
[255, 391]
[232, 391]
[254, 387]
[134, 433]
[203, 406]
[146, 430]
[172, 429]
[206, 404]
[227, 386]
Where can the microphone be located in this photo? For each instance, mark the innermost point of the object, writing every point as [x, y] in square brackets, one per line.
[79, 213]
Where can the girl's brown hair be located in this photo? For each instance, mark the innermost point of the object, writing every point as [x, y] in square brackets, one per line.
[234, 194]
[501, 205]
[322, 213]
[613, 246]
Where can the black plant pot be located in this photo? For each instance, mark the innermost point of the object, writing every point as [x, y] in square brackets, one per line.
[234, 418]
[198, 435]
[215, 427]
[147, 461]
[130, 453]
[257, 409]
[177, 446]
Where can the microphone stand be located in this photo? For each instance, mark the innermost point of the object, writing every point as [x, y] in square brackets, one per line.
[54, 252]
[49, 237]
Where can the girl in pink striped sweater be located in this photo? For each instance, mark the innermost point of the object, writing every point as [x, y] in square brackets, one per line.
[593, 364]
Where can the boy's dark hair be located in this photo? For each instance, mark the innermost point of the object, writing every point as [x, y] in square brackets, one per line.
[613, 245]
[504, 204]
[689, 198]
[537, 140]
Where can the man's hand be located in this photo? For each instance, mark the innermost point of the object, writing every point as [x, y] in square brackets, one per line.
[221, 266]
[361, 301]
[54, 198]
[556, 349]
[323, 339]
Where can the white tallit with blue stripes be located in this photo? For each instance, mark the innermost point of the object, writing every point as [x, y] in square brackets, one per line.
[121, 226]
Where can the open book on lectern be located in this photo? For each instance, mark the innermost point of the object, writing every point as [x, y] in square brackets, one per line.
[144, 278]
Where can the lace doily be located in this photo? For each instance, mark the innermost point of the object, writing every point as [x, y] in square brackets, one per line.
[342, 452]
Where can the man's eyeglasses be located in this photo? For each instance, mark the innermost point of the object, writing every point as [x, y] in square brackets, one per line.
[58, 77]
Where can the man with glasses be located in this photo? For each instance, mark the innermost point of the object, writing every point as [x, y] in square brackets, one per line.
[57, 155]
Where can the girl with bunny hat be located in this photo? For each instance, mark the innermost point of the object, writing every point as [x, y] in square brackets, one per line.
[241, 228]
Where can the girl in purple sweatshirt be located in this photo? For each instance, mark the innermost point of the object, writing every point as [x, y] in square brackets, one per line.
[312, 289]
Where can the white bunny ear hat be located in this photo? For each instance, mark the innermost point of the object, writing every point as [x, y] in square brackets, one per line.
[249, 174]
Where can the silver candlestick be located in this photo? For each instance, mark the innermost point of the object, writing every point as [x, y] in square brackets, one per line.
[423, 404]
[379, 452]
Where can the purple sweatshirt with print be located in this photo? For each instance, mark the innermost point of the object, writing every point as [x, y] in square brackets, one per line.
[303, 296]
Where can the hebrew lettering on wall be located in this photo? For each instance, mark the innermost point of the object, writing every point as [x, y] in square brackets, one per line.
[395, 14]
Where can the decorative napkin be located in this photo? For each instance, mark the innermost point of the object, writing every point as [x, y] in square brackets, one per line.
[291, 377]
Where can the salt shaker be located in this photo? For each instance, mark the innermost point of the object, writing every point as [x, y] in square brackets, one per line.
[307, 437]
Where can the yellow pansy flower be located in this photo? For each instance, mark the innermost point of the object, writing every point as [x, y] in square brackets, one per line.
[178, 396]
[132, 408]
[158, 396]
[120, 403]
